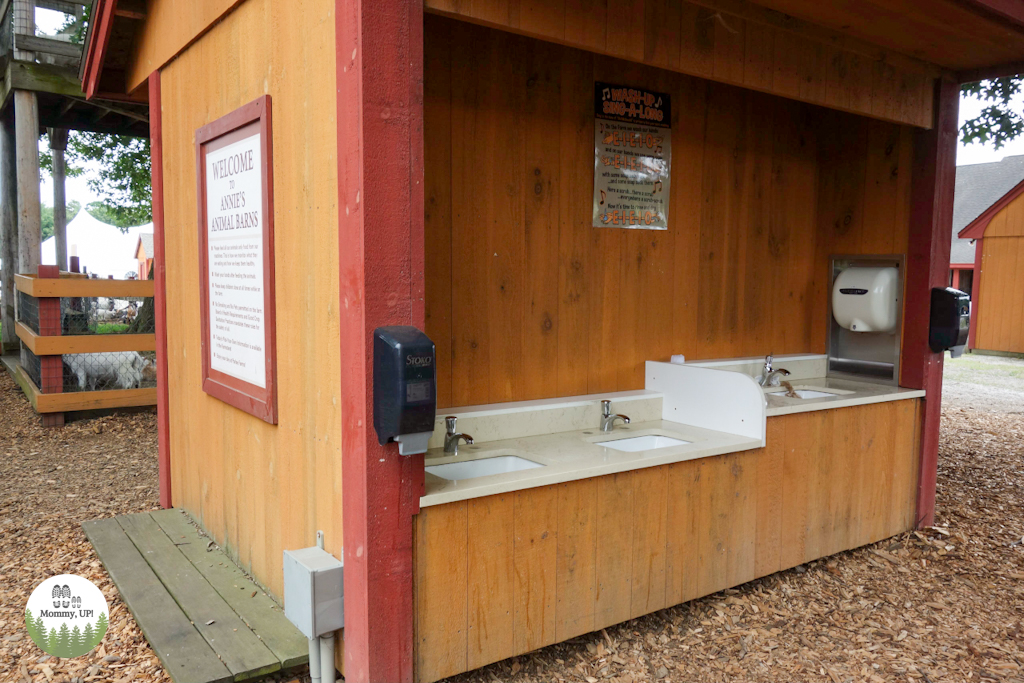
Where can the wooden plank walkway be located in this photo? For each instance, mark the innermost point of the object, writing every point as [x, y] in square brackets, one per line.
[202, 616]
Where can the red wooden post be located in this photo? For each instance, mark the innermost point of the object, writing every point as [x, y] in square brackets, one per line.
[931, 220]
[380, 207]
[51, 368]
[163, 424]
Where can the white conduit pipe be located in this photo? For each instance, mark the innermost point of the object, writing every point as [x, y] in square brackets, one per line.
[327, 658]
[314, 660]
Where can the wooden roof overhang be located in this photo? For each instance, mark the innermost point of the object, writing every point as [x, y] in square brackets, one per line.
[962, 40]
[109, 41]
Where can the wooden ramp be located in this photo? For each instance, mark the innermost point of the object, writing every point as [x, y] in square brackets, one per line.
[202, 616]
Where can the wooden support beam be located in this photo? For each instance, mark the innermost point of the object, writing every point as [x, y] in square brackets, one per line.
[58, 144]
[130, 9]
[380, 216]
[933, 182]
[990, 72]
[50, 46]
[26, 127]
[47, 78]
[114, 109]
[1002, 11]
[25, 24]
[8, 234]
[65, 6]
[751, 11]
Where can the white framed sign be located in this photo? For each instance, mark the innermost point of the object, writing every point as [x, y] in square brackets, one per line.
[236, 237]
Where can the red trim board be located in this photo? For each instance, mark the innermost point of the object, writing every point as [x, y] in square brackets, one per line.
[933, 183]
[979, 252]
[96, 50]
[163, 421]
[380, 233]
[233, 379]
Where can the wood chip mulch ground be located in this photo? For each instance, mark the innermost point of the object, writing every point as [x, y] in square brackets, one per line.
[942, 604]
[51, 480]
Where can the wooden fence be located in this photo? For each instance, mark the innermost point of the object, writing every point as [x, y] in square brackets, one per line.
[53, 325]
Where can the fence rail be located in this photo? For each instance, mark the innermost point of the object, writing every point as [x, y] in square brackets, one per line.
[86, 343]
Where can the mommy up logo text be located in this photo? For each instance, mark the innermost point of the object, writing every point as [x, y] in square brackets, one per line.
[66, 616]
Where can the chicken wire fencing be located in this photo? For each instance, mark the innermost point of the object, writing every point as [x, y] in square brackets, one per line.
[30, 363]
[105, 371]
[102, 315]
[28, 311]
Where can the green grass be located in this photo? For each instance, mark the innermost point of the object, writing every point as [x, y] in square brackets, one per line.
[111, 328]
[990, 367]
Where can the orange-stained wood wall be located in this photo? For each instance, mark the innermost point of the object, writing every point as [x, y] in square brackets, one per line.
[169, 27]
[258, 488]
[526, 300]
[1000, 315]
[506, 574]
[740, 44]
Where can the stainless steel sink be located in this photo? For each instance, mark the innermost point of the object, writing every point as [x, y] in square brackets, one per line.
[484, 467]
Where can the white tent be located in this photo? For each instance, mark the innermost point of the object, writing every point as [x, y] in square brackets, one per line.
[102, 249]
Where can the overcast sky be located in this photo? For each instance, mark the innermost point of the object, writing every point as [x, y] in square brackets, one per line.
[49, 21]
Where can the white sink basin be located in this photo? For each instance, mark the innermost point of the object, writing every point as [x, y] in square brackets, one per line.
[803, 393]
[642, 443]
[484, 467]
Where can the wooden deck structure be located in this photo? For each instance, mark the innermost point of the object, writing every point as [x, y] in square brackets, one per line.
[41, 90]
[205, 619]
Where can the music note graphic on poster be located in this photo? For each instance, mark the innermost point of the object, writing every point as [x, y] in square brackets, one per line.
[632, 157]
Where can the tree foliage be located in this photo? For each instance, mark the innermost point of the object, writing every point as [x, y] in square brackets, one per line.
[998, 123]
[117, 170]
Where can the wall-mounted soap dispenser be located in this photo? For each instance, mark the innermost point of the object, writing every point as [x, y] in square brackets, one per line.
[865, 314]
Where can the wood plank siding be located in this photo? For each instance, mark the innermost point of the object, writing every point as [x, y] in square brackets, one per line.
[170, 27]
[1000, 316]
[259, 488]
[506, 574]
[749, 47]
[525, 300]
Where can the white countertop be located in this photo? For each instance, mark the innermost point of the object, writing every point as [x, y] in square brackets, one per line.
[850, 393]
[573, 455]
[569, 456]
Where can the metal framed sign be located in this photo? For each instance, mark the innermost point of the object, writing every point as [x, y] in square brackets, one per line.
[235, 197]
[632, 157]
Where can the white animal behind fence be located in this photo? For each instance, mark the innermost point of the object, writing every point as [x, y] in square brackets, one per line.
[124, 369]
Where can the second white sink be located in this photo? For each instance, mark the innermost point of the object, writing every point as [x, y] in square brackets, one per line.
[804, 393]
[642, 443]
[484, 467]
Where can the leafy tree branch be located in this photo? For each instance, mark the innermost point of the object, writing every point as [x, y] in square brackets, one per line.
[998, 123]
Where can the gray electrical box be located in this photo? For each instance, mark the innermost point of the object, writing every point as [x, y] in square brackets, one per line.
[314, 593]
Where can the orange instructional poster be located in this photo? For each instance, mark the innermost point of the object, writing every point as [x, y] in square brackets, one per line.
[632, 157]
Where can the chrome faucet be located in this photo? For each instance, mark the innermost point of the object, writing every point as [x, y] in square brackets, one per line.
[768, 375]
[451, 437]
[607, 419]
